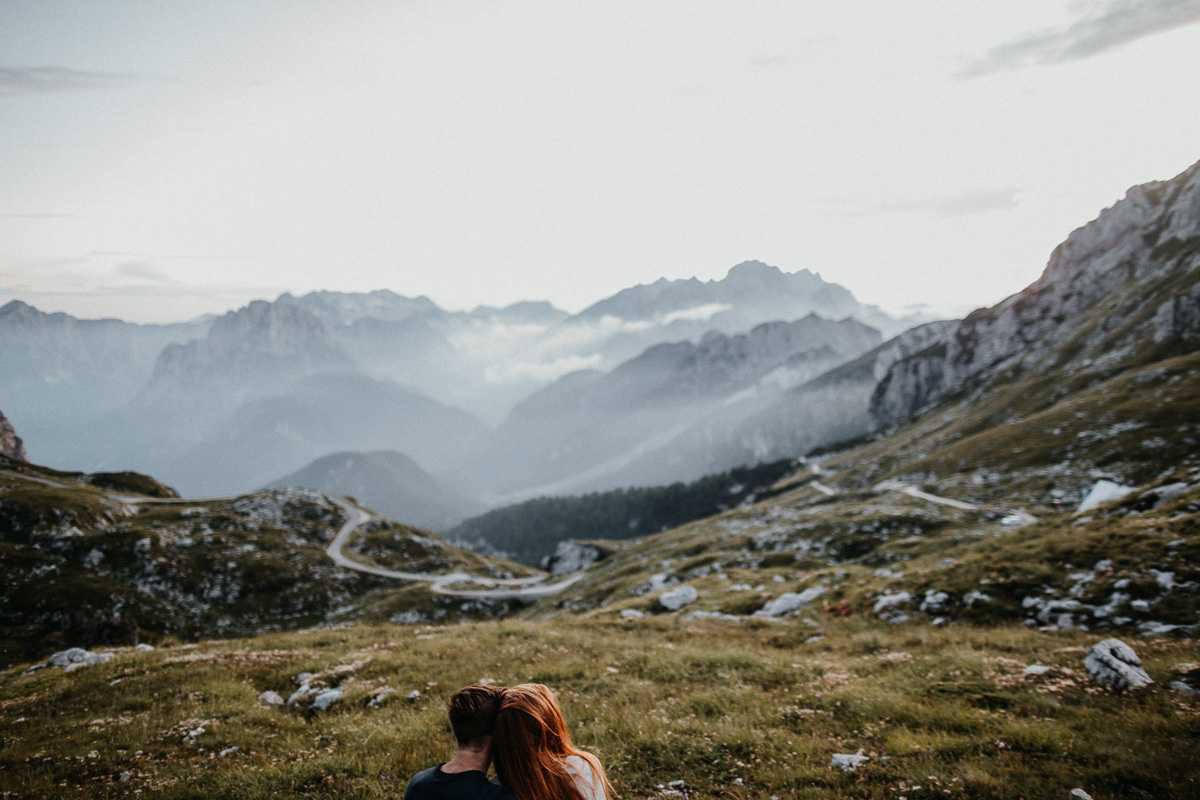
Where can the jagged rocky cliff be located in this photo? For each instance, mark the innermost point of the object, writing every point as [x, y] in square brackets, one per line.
[10, 444]
[1123, 287]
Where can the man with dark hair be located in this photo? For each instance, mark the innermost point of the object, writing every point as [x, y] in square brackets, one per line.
[472, 711]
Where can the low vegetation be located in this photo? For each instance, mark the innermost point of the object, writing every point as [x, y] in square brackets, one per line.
[674, 708]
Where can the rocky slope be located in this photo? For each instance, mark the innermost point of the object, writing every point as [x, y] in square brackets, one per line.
[10, 444]
[105, 559]
[1122, 289]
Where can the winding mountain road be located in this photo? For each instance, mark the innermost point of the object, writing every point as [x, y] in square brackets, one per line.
[511, 588]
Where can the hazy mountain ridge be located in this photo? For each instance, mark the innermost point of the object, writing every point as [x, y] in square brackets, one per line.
[390, 483]
[595, 431]
[1116, 286]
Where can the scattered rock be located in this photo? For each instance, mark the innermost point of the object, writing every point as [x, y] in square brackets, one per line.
[76, 657]
[1180, 686]
[934, 601]
[1104, 491]
[677, 598]
[816, 637]
[1081, 794]
[1036, 669]
[228, 751]
[269, 698]
[571, 556]
[847, 762]
[325, 699]
[193, 735]
[892, 600]
[145, 648]
[381, 697]
[1114, 662]
[789, 602]
[714, 615]
[300, 694]
[414, 694]
[303, 678]
[631, 613]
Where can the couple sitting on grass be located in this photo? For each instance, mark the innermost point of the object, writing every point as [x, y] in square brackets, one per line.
[521, 729]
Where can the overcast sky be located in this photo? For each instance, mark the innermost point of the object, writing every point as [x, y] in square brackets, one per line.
[162, 160]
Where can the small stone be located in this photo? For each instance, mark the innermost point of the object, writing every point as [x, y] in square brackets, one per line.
[1036, 669]
[381, 697]
[677, 598]
[145, 648]
[1180, 686]
[789, 602]
[303, 678]
[816, 637]
[847, 762]
[325, 699]
[414, 694]
[269, 698]
[125, 776]
[631, 613]
[228, 751]
[1081, 794]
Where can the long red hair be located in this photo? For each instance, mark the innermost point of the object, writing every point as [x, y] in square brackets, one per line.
[530, 746]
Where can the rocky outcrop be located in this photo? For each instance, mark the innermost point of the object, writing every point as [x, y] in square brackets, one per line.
[11, 444]
[1114, 662]
[1119, 283]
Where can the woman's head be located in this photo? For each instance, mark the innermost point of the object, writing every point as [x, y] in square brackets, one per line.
[530, 744]
[531, 719]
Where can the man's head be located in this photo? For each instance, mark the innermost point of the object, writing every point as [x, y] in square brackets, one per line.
[472, 711]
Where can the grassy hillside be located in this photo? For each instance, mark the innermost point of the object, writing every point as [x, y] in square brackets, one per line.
[86, 566]
[749, 710]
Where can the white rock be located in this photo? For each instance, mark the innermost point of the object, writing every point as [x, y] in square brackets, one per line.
[789, 602]
[380, 697]
[414, 694]
[145, 648]
[1036, 669]
[1081, 794]
[1180, 686]
[1104, 491]
[847, 762]
[269, 698]
[228, 751]
[973, 597]
[631, 613]
[301, 693]
[1114, 662]
[677, 598]
[892, 600]
[934, 601]
[325, 699]
[714, 615]
[303, 678]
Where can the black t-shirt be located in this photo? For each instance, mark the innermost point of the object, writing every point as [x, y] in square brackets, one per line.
[433, 784]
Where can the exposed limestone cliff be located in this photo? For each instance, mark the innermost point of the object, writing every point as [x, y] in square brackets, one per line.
[10, 444]
[1122, 282]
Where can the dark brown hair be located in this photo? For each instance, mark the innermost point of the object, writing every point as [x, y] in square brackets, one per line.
[532, 744]
[472, 711]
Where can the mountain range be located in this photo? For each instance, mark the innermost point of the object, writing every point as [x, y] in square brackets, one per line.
[262, 391]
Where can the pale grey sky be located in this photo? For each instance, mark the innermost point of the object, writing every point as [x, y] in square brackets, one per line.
[162, 160]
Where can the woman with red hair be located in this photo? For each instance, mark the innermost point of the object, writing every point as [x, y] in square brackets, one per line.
[533, 752]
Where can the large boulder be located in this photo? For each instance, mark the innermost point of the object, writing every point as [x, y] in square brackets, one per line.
[1114, 662]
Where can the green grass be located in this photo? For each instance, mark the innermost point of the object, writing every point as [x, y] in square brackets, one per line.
[658, 700]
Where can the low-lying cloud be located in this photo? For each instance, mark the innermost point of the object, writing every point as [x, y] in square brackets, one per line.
[1105, 26]
[53, 79]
